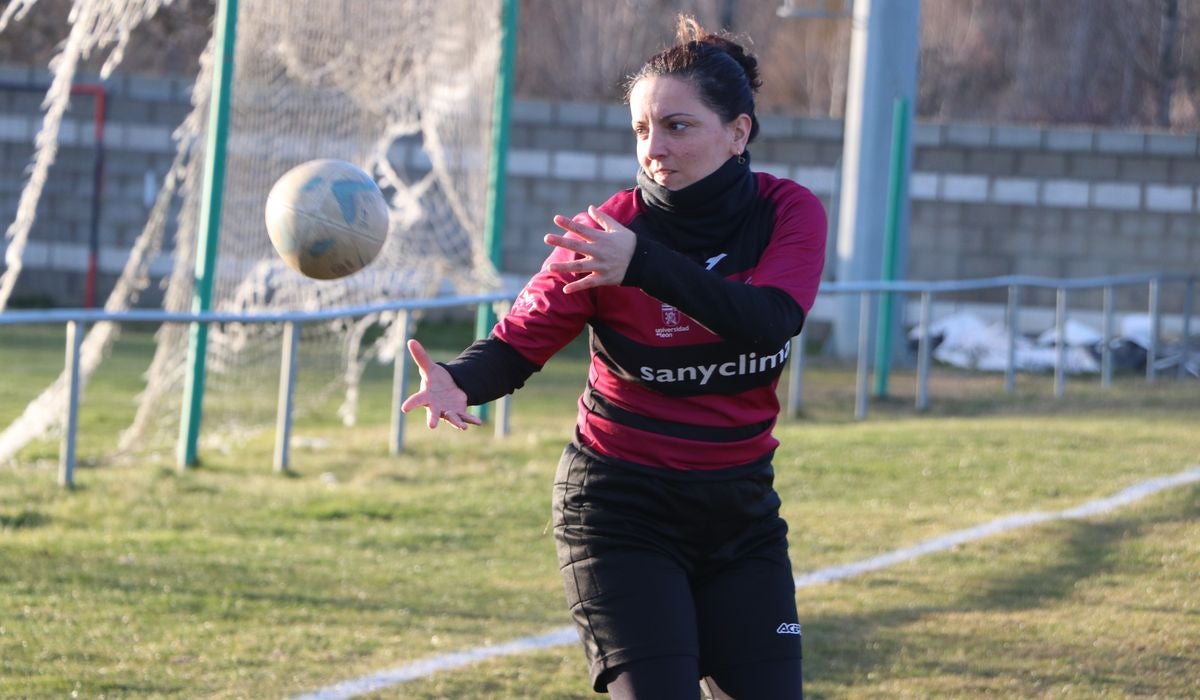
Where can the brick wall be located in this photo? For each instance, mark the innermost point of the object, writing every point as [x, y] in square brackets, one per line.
[986, 200]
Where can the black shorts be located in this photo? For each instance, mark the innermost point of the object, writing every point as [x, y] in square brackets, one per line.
[662, 563]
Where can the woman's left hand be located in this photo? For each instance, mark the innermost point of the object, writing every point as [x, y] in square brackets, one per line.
[605, 252]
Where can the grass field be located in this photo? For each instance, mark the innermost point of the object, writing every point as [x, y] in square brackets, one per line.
[230, 581]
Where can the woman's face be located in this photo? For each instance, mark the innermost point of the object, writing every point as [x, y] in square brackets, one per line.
[680, 140]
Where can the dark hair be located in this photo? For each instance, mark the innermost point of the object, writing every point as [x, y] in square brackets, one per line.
[724, 75]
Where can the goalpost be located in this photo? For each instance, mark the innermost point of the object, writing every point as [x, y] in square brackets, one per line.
[208, 232]
[405, 90]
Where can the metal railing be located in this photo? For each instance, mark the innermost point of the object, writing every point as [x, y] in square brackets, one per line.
[1013, 284]
[77, 319]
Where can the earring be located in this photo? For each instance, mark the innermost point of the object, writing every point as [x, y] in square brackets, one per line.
[741, 159]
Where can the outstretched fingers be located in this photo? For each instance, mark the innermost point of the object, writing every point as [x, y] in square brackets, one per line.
[603, 254]
[458, 419]
[601, 217]
[420, 356]
[576, 237]
[570, 225]
[439, 395]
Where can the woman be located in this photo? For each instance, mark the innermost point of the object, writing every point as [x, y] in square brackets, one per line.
[672, 552]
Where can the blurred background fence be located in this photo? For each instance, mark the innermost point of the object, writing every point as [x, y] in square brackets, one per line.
[1057, 352]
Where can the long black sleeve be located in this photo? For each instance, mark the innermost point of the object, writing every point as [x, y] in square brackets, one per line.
[488, 369]
[762, 317]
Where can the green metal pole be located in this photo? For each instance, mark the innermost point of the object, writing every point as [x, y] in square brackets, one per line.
[895, 204]
[209, 229]
[493, 232]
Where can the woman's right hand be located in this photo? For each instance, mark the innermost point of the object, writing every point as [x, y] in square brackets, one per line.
[440, 396]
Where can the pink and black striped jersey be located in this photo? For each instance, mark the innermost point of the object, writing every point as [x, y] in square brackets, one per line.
[686, 353]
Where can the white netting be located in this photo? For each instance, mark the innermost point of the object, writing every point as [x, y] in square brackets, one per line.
[403, 89]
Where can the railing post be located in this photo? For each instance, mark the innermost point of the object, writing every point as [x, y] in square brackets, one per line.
[287, 395]
[923, 351]
[66, 463]
[861, 398]
[1010, 313]
[1106, 360]
[1155, 325]
[503, 410]
[403, 329]
[795, 394]
[504, 405]
[1060, 343]
[1188, 292]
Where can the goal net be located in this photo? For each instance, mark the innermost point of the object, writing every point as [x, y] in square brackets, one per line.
[402, 89]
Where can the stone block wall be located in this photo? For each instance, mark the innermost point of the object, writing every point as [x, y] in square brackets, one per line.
[986, 199]
[141, 114]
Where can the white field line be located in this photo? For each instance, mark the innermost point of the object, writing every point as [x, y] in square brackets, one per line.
[567, 635]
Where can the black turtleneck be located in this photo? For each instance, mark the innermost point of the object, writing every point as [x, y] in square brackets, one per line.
[704, 215]
[681, 230]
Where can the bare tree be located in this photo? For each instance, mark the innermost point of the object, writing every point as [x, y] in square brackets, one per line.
[583, 50]
[1188, 97]
[1168, 61]
[1106, 62]
[169, 43]
[1103, 62]
[805, 61]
